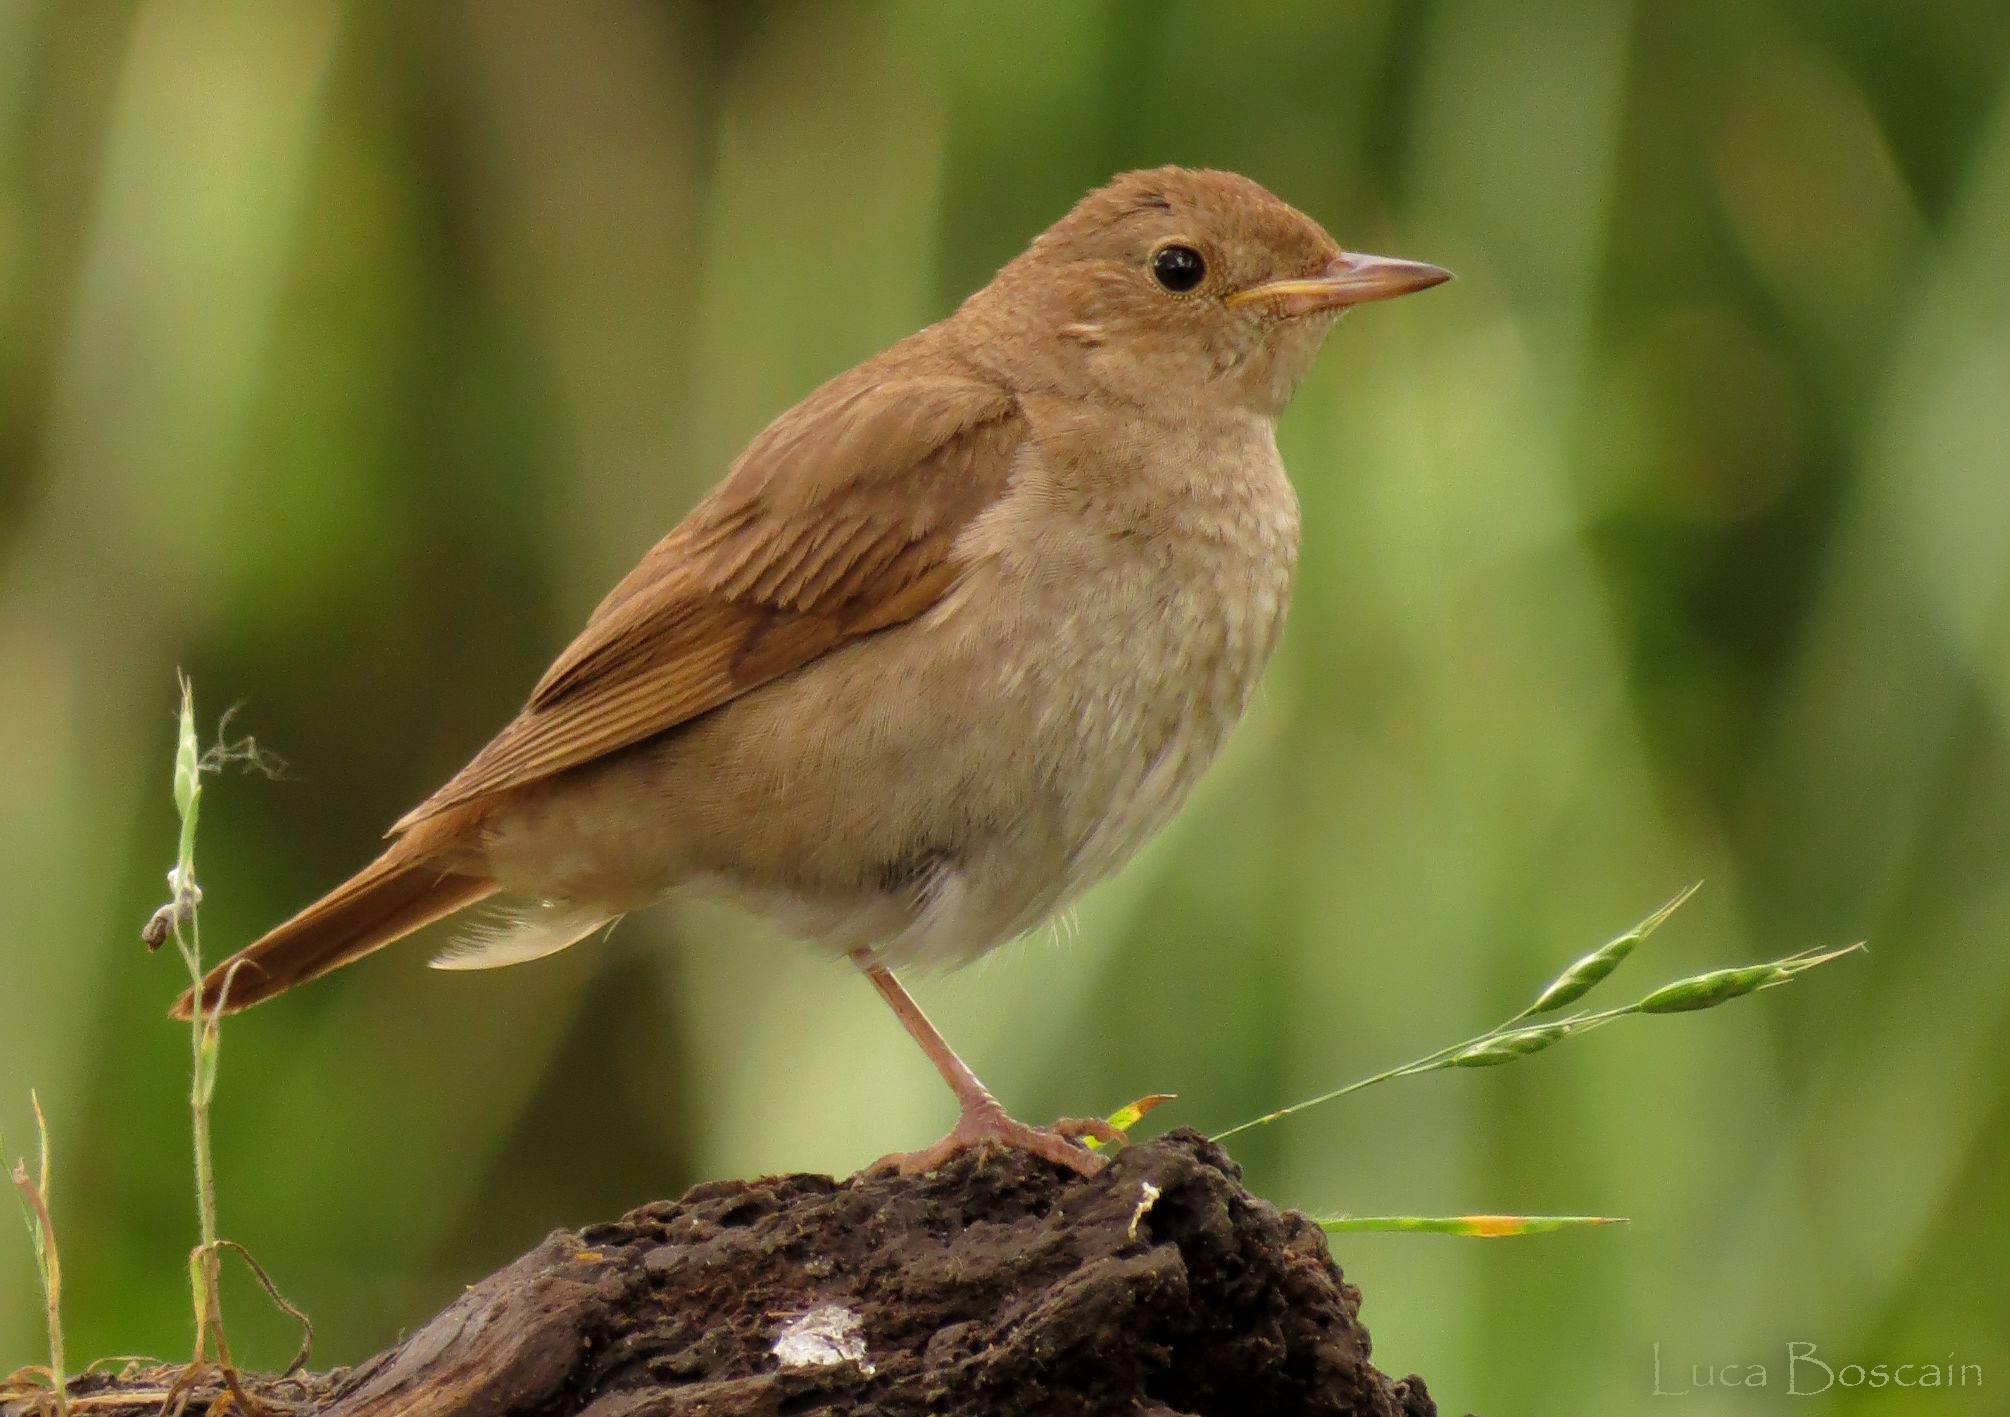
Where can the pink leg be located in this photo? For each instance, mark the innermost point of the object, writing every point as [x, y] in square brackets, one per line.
[983, 1119]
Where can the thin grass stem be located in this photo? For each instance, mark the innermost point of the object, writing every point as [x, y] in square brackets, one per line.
[1521, 1036]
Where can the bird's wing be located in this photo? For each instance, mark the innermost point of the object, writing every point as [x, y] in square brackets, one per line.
[837, 521]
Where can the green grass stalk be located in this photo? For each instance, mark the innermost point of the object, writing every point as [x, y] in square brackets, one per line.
[185, 927]
[1518, 1038]
[180, 920]
[34, 1195]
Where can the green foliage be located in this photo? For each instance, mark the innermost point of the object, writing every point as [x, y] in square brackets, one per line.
[348, 354]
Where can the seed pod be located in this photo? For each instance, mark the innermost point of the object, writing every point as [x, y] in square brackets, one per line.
[1706, 991]
[187, 758]
[1506, 1047]
[1583, 976]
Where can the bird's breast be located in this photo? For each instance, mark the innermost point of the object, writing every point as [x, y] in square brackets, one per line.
[1147, 595]
[944, 786]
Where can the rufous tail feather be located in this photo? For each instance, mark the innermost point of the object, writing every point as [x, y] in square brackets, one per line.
[385, 901]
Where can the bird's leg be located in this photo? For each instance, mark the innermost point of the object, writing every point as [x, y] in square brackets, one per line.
[983, 1119]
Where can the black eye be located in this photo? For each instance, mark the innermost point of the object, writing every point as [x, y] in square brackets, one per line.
[1178, 268]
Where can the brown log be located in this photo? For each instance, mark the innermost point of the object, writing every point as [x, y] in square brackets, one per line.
[998, 1286]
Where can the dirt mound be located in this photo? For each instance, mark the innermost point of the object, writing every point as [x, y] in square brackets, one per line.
[998, 1286]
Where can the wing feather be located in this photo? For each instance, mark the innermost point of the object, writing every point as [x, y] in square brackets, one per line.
[838, 521]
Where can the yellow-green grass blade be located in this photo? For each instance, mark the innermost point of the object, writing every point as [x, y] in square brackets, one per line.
[1473, 1227]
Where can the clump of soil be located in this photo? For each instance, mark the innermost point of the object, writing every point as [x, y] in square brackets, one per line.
[998, 1286]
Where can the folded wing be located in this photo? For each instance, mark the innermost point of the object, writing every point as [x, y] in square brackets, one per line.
[838, 521]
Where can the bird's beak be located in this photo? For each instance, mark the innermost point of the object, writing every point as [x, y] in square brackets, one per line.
[1351, 278]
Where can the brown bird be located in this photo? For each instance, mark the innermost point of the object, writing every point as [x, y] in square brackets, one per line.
[952, 639]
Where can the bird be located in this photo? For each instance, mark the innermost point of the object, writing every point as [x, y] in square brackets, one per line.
[950, 640]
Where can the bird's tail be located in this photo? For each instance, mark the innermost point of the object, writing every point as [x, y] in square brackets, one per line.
[385, 901]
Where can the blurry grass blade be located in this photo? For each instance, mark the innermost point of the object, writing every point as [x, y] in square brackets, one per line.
[31, 1204]
[207, 1051]
[42, 1145]
[1477, 1227]
[205, 1064]
[1583, 976]
[1130, 1114]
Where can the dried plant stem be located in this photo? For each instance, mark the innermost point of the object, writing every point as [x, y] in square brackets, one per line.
[34, 1193]
[279, 1301]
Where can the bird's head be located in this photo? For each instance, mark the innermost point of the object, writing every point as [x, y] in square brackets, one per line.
[1182, 287]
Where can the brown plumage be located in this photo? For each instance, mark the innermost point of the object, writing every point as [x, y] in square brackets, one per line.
[379, 905]
[951, 639]
[836, 522]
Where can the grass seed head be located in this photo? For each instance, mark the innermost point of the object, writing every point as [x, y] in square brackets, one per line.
[1586, 974]
[1706, 991]
[1507, 1047]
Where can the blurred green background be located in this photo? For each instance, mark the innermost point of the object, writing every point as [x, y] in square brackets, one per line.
[349, 352]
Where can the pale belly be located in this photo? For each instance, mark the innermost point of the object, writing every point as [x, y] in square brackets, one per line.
[940, 788]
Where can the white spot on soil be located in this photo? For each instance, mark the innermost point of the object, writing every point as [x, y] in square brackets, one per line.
[1148, 1196]
[824, 1337]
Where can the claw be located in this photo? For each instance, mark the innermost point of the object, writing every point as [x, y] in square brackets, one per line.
[989, 1126]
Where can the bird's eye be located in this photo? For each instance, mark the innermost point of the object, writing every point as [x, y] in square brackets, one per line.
[1178, 268]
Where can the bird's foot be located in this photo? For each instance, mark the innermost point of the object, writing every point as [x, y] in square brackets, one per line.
[989, 1126]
